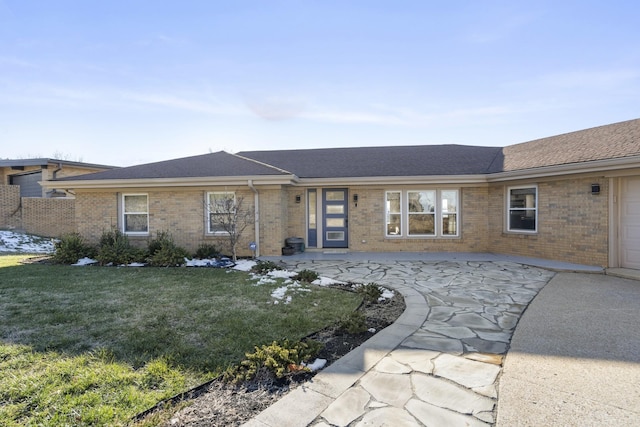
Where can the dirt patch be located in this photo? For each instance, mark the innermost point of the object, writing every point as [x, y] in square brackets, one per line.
[221, 404]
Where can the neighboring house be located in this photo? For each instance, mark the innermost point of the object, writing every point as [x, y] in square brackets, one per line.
[573, 197]
[27, 173]
[26, 205]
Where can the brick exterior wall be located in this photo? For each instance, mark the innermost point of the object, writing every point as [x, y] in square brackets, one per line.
[573, 224]
[39, 216]
[48, 217]
[10, 214]
[181, 212]
[95, 212]
[274, 218]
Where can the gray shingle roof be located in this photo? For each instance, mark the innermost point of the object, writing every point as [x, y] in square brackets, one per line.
[612, 141]
[220, 164]
[420, 160]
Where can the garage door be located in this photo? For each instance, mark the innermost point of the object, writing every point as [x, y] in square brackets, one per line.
[630, 223]
[28, 183]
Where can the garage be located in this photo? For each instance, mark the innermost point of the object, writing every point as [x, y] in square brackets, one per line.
[630, 223]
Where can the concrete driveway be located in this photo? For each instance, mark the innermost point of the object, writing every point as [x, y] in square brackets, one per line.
[574, 359]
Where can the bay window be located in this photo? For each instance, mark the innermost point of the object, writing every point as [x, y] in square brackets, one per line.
[422, 213]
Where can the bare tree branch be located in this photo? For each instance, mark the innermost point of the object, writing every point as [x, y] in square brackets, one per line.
[229, 216]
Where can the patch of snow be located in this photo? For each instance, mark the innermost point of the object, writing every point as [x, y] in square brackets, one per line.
[372, 330]
[244, 265]
[85, 261]
[316, 365]
[386, 294]
[280, 292]
[282, 274]
[325, 281]
[11, 241]
[209, 262]
[290, 286]
[264, 280]
[136, 264]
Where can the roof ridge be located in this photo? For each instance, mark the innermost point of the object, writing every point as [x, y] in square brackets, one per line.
[260, 163]
[499, 155]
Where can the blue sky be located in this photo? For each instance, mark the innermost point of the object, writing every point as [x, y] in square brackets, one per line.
[127, 82]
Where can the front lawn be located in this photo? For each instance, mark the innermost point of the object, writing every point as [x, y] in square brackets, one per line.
[97, 345]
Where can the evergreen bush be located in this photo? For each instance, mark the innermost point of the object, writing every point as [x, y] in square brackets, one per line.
[115, 249]
[70, 248]
[163, 252]
[207, 251]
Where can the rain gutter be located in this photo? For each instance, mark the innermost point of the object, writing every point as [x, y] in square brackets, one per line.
[256, 211]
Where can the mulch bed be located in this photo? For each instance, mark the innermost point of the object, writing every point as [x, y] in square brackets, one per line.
[223, 404]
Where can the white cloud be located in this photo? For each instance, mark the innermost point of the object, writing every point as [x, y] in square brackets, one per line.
[167, 100]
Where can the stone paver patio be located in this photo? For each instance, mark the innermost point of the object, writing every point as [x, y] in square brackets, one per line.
[439, 364]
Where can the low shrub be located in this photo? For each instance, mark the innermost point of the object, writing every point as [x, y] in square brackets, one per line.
[116, 249]
[70, 248]
[276, 360]
[354, 323]
[206, 251]
[263, 267]
[306, 276]
[371, 292]
[163, 252]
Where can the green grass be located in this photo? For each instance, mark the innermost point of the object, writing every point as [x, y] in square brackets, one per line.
[95, 346]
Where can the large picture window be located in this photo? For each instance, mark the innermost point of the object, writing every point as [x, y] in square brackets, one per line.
[422, 212]
[220, 211]
[523, 209]
[428, 213]
[135, 214]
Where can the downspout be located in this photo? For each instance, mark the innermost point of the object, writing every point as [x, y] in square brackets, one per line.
[256, 210]
[58, 169]
[53, 176]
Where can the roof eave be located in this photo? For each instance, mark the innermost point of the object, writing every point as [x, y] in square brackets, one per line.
[47, 161]
[394, 180]
[171, 182]
[594, 166]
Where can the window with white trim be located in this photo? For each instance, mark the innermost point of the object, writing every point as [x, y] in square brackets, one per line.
[221, 206]
[522, 209]
[422, 213]
[449, 212]
[135, 214]
[393, 213]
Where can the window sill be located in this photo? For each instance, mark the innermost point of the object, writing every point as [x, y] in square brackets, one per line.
[424, 237]
[519, 233]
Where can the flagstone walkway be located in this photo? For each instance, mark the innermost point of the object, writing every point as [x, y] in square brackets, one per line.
[439, 364]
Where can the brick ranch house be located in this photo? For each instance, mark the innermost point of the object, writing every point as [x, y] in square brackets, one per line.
[573, 197]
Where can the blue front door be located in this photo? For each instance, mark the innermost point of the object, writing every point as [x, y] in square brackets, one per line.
[335, 218]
